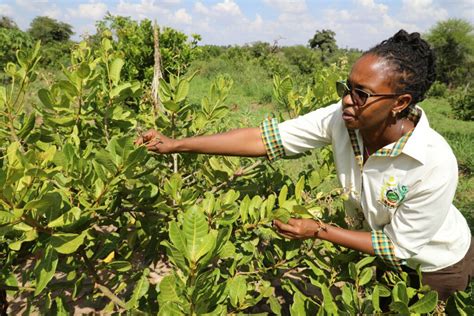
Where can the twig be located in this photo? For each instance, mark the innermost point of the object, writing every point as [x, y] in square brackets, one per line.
[157, 75]
[98, 283]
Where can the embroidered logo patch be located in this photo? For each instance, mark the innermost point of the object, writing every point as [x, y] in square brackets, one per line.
[392, 193]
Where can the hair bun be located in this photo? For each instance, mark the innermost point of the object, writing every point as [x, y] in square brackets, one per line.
[413, 61]
[401, 36]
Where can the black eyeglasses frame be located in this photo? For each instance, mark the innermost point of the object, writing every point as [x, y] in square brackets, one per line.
[343, 89]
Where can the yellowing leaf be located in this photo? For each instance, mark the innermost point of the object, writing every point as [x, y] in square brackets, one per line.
[110, 257]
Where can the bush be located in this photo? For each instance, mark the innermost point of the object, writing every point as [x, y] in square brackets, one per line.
[462, 103]
[437, 90]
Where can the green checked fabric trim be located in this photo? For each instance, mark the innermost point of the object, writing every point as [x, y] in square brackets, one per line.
[271, 139]
[396, 149]
[356, 148]
[383, 248]
[414, 115]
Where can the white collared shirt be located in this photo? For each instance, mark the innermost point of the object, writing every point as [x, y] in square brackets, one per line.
[408, 197]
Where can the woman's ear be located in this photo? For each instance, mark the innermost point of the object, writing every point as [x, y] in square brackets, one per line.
[402, 102]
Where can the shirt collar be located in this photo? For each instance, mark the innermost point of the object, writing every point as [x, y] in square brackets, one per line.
[412, 143]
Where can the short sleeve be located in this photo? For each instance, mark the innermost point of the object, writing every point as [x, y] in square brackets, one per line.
[309, 131]
[383, 248]
[271, 139]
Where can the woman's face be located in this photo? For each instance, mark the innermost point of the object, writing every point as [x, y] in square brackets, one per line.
[373, 75]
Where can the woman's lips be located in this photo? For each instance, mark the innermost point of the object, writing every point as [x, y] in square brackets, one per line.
[348, 115]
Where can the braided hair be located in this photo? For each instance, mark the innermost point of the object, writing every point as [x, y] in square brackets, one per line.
[412, 60]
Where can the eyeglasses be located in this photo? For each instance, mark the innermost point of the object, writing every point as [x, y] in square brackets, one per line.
[358, 96]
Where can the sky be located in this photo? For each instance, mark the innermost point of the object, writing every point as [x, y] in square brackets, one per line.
[357, 23]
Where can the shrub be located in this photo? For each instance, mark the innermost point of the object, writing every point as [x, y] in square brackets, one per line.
[462, 103]
[437, 90]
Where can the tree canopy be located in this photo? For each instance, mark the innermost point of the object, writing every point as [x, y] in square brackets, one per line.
[324, 40]
[7, 23]
[453, 43]
[49, 30]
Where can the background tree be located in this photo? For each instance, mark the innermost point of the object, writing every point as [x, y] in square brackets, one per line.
[49, 30]
[11, 40]
[7, 22]
[135, 40]
[453, 42]
[55, 37]
[325, 42]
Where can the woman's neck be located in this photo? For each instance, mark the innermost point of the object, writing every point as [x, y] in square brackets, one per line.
[374, 139]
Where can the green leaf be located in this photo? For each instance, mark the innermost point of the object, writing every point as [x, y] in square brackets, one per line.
[399, 293]
[122, 90]
[365, 276]
[352, 271]
[141, 288]
[45, 98]
[177, 239]
[3, 96]
[168, 290]
[376, 299]
[363, 262]
[298, 306]
[67, 243]
[170, 309]
[27, 126]
[120, 265]
[282, 195]
[11, 281]
[67, 218]
[399, 307]
[244, 209]
[49, 200]
[426, 304]
[13, 154]
[328, 302]
[207, 246]
[68, 87]
[45, 269]
[237, 290]
[6, 217]
[171, 106]
[195, 229]
[182, 91]
[105, 159]
[282, 215]
[83, 71]
[275, 305]
[299, 188]
[115, 69]
[60, 309]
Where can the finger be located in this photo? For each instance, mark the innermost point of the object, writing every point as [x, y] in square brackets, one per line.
[285, 235]
[152, 145]
[287, 228]
[150, 134]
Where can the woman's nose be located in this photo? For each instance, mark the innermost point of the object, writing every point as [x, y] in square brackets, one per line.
[347, 100]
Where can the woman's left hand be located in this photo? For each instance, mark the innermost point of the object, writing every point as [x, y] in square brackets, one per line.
[298, 228]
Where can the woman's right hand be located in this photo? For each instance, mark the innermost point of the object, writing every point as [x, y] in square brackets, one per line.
[156, 142]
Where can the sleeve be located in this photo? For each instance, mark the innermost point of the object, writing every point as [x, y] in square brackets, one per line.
[421, 215]
[271, 139]
[301, 134]
[384, 249]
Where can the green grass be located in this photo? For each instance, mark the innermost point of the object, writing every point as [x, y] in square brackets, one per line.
[251, 94]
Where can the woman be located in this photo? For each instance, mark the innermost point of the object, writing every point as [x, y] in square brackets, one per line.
[400, 173]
